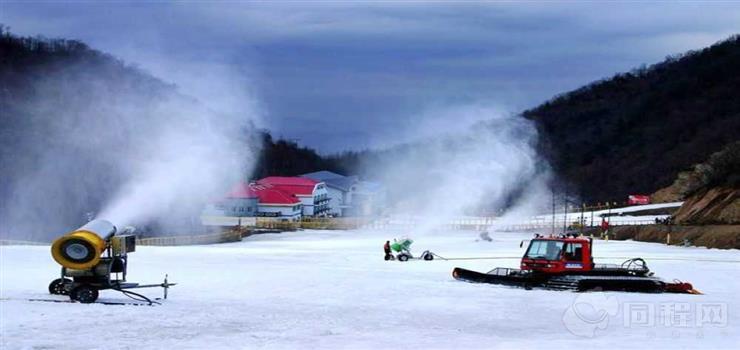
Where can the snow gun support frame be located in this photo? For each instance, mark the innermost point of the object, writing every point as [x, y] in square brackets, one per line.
[94, 258]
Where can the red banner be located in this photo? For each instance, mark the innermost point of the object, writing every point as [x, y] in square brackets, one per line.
[638, 199]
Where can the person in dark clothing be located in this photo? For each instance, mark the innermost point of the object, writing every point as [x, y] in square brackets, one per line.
[387, 250]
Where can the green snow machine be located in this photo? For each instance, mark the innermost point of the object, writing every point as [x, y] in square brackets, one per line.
[402, 246]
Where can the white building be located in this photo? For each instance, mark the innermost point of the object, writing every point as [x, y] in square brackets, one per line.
[339, 189]
[349, 196]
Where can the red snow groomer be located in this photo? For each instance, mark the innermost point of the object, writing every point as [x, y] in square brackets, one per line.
[566, 263]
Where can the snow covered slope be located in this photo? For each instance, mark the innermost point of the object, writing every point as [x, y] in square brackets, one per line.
[332, 289]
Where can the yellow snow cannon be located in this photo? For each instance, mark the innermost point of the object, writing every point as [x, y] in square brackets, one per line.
[94, 257]
[81, 249]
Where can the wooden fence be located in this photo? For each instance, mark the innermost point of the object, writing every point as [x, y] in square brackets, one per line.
[354, 223]
[392, 223]
[19, 242]
[545, 225]
[223, 237]
[409, 223]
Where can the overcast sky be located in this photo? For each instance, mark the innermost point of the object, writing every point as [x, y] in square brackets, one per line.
[337, 76]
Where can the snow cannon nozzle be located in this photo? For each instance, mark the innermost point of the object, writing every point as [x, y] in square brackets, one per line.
[82, 248]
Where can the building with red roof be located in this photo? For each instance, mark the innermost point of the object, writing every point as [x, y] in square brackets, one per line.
[287, 198]
[312, 194]
[254, 199]
[241, 201]
[274, 202]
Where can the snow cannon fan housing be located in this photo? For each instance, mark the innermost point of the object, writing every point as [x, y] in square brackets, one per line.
[82, 248]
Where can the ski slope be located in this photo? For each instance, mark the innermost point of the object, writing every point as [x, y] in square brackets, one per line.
[332, 289]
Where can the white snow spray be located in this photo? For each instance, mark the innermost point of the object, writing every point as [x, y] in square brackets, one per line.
[471, 160]
[180, 169]
[106, 140]
[185, 160]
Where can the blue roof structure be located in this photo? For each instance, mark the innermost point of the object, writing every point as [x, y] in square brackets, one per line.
[332, 179]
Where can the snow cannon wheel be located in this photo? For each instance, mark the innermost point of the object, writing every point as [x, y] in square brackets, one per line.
[56, 286]
[84, 294]
[403, 257]
[428, 256]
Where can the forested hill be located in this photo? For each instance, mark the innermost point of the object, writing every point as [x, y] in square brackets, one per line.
[633, 133]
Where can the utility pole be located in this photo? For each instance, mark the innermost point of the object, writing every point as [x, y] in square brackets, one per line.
[553, 212]
[608, 215]
[592, 216]
[582, 222]
[565, 210]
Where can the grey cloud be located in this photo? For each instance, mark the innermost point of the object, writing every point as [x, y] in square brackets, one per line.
[366, 69]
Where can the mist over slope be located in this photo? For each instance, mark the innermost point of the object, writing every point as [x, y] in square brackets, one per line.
[634, 132]
[480, 169]
[82, 133]
[86, 135]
